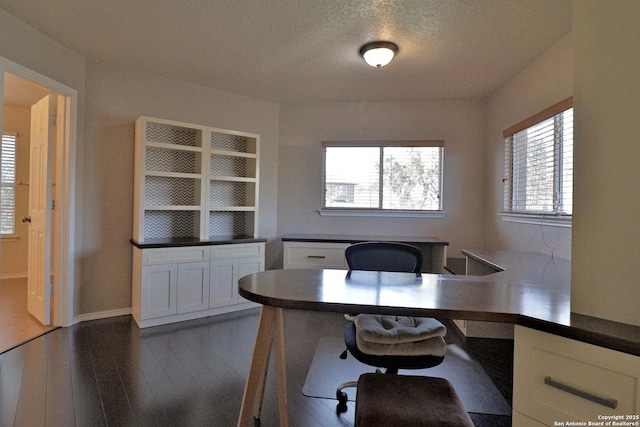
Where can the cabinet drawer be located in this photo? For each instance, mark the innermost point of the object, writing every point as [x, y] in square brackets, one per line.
[237, 250]
[558, 379]
[173, 255]
[315, 255]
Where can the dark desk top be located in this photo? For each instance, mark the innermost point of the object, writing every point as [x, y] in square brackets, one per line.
[532, 291]
[341, 238]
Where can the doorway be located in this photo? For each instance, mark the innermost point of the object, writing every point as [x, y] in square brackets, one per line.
[21, 86]
[17, 323]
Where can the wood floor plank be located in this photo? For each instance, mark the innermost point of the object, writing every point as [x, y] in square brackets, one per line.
[109, 372]
[59, 398]
[11, 373]
[32, 399]
[88, 408]
[115, 402]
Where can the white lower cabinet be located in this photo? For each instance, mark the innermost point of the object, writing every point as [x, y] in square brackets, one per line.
[159, 289]
[176, 284]
[224, 280]
[193, 287]
[557, 380]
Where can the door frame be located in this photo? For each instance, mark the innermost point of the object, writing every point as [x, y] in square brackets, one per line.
[65, 195]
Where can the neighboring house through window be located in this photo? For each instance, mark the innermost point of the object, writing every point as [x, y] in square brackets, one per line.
[8, 184]
[539, 164]
[383, 176]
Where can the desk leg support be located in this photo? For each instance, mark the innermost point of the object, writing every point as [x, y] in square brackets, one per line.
[270, 332]
[281, 376]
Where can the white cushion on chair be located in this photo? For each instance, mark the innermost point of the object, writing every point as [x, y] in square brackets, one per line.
[385, 329]
[430, 347]
[400, 335]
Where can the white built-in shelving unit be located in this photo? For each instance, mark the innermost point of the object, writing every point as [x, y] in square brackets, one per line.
[195, 220]
[194, 181]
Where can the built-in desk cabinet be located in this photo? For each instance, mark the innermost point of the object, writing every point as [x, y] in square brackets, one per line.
[557, 379]
[327, 251]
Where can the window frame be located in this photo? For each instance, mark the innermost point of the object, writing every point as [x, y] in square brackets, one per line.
[509, 213]
[13, 185]
[380, 211]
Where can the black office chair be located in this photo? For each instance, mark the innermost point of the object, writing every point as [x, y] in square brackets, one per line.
[394, 257]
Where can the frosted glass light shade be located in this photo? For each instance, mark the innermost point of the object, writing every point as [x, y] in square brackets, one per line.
[378, 54]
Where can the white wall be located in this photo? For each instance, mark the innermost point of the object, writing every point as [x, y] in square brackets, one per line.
[606, 235]
[104, 156]
[115, 99]
[460, 123]
[545, 82]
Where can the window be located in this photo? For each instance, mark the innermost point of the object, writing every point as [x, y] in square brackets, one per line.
[384, 176]
[539, 163]
[8, 184]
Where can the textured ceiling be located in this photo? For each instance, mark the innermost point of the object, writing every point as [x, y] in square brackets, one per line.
[307, 50]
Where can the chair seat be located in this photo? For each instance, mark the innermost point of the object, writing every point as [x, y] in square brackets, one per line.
[408, 401]
[392, 363]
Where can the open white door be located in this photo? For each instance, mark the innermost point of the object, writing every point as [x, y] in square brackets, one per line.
[39, 262]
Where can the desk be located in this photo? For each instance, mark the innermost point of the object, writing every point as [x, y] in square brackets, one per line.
[538, 301]
[327, 250]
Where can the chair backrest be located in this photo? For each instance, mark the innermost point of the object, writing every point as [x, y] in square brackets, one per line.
[384, 256]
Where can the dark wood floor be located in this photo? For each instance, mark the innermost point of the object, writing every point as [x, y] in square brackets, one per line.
[110, 373]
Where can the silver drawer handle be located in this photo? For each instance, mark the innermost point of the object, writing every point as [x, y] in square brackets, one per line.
[316, 256]
[609, 403]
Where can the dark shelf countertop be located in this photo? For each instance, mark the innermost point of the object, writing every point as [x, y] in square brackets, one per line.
[192, 241]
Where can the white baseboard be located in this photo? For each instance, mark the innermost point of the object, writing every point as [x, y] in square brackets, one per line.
[101, 315]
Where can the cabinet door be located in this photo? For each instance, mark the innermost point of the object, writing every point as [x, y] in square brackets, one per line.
[248, 266]
[224, 282]
[159, 290]
[193, 286]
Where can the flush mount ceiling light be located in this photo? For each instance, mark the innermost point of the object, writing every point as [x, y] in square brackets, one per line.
[378, 54]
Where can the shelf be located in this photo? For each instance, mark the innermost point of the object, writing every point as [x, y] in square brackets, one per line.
[170, 146]
[235, 143]
[232, 178]
[230, 223]
[172, 208]
[160, 224]
[232, 166]
[234, 154]
[194, 181]
[160, 160]
[170, 190]
[153, 173]
[232, 209]
[165, 133]
[235, 194]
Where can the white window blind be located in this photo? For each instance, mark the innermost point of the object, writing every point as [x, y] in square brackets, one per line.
[402, 175]
[8, 184]
[539, 164]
